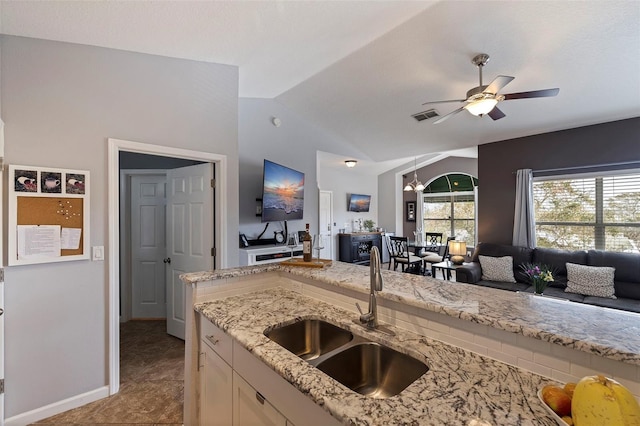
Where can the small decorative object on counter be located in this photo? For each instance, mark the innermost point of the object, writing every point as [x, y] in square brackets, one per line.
[369, 225]
[540, 275]
[306, 245]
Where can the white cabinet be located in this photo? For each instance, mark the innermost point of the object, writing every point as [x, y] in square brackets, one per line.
[217, 390]
[216, 376]
[238, 389]
[250, 408]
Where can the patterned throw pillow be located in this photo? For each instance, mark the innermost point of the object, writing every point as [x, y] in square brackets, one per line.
[497, 268]
[590, 280]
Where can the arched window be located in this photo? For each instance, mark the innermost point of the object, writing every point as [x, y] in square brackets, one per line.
[449, 206]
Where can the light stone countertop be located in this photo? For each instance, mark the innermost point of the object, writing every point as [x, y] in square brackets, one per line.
[460, 388]
[608, 333]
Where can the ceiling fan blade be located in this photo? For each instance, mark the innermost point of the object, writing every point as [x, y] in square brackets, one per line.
[498, 83]
[444, 102]
[496, 113]
[533, 94]
[444, 117]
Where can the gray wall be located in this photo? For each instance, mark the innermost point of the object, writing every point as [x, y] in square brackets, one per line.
[427, 174]
[342, 182]
[602, 144]
[294, 144]
[60, 103]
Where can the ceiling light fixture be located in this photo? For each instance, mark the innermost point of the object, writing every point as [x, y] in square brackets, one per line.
[481, 106]
[351, 163]
[415, 184]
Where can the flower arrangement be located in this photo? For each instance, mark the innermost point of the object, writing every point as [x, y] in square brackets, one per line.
[540, 275]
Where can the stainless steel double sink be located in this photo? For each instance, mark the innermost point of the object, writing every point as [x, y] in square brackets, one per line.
[364, 366]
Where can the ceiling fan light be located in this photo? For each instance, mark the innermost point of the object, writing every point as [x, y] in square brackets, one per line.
[419, 187]
[482, 106]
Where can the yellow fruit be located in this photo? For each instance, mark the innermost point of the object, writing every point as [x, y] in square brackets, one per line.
[599, 401]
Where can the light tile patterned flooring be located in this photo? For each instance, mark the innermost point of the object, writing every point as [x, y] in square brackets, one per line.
[151, 382]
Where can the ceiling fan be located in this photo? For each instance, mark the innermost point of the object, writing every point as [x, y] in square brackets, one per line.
[483, 100]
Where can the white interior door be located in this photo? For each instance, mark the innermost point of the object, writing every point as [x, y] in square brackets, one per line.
[148, 247]
[325, 225]
[189, 235]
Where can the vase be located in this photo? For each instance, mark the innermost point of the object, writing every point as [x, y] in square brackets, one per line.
[539, 286]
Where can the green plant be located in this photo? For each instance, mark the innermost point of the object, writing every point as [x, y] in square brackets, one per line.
[369, 224]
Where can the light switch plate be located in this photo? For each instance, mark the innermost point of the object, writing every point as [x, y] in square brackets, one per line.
[97, 253]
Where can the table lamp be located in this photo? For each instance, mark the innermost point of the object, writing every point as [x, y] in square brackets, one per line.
[457, 250]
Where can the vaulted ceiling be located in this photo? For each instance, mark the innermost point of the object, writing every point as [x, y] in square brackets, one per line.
[360, 69]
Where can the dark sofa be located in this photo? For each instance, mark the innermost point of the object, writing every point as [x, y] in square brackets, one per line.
[626, 279]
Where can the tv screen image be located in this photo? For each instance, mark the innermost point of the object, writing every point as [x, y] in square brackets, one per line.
[359, 203]
[282, 193]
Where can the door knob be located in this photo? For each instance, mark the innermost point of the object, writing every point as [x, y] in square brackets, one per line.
[167, 260]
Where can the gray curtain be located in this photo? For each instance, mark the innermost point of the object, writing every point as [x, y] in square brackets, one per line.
[524, 225]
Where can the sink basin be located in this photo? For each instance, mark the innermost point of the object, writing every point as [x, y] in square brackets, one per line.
[310, 338]
[373, 370]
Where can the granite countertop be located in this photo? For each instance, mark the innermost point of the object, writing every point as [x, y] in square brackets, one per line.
[460, 387]
[608, 333]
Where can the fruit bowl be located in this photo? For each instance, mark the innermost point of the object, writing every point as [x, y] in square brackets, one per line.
[551, 412]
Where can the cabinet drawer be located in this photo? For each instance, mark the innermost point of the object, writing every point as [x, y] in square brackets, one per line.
[216, 339]
[251, 408]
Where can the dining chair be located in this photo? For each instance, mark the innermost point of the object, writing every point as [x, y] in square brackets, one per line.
[399, 254]
[433, 241]
[436, 257]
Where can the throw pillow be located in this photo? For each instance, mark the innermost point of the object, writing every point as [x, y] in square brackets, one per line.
[497, 268]
[590, 280]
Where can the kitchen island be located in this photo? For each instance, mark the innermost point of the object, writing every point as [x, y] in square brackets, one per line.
[483, 346]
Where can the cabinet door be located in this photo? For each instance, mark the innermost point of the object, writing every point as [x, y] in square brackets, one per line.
[217, 390]
[250, 408]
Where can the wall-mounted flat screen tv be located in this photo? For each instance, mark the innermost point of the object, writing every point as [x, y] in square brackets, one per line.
[359, 203]
[282, 193]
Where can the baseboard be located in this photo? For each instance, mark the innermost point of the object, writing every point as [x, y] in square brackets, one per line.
[57, 407]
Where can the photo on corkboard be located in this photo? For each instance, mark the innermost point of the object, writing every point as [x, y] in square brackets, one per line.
[50, 182]
[75, 183]
[26, 181]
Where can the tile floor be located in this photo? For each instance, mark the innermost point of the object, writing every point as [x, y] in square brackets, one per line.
[151, 382]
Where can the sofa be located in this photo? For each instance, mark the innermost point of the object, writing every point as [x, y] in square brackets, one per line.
[626, 274]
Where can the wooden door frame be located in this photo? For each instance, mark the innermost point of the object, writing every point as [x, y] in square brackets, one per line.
[114, 147]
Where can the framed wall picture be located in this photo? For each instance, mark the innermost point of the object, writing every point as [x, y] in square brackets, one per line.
[410, 212]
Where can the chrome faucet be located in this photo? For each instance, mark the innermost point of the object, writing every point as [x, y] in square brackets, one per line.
[370, 319]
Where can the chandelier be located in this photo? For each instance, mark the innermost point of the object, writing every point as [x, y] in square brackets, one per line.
[415, 184]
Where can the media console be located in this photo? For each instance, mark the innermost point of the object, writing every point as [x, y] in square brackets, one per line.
[356, 247]
[267, 254]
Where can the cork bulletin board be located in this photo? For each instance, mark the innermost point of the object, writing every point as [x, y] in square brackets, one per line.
[48, 215]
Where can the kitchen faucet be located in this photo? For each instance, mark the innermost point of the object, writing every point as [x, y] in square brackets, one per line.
[370, 319]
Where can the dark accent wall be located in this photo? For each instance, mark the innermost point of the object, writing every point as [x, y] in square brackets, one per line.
[597, 145]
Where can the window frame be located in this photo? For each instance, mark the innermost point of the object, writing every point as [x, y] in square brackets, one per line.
[452, 218]
[599, 224]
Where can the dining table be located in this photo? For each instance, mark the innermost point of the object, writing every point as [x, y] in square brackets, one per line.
[418, 247]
